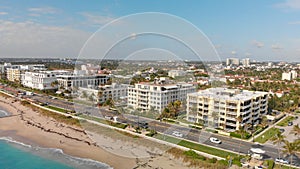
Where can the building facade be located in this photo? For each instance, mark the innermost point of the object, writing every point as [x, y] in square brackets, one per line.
[146, 96]
[71, 81]
[228, 109]
[289, 75]
[232, 61]
[176, 73]
[42, 80]
[13, 74]
[103, 93]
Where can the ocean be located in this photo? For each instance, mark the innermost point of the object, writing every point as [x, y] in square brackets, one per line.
[16, 155]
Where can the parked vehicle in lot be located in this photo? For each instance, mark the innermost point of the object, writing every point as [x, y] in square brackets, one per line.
[177, 134]
[281, 160]
[215, 140]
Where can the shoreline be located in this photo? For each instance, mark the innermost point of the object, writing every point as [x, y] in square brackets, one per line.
[41, 131]
[112, 148]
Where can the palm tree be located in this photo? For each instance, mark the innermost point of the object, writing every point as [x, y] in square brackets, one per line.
[290, 149]
[278, 139]
[296, 130]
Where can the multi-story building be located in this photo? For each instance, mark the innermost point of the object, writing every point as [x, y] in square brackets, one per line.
[101, 94]
[228, 109]
[232, 61]
[246, 62]
[13, 74]
[175, 73]
[71, 81]
[289, 75]
[42, 80]
[157, 96]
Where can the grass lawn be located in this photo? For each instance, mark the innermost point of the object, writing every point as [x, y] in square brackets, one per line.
[58, 109]
[119, 125]
[285, 121]
[267, 135]
[195, 146]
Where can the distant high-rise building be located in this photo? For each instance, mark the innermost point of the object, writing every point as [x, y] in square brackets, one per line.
[246, 62]
[232, 61]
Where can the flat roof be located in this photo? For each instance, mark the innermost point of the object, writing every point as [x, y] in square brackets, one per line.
[228, 94]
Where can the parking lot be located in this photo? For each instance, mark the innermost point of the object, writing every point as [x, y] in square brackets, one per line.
[288, 129]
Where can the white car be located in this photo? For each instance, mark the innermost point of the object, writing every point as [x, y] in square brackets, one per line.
[177, 134]
[281, 160]
[215, 140]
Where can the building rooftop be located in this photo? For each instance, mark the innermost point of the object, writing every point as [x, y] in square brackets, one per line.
[228, 94]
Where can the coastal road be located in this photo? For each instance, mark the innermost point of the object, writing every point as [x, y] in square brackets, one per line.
[195, 135]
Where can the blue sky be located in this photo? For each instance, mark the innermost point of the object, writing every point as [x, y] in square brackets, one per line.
[261, 30]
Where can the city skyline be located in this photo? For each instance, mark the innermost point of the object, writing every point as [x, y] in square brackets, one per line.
[59, 29]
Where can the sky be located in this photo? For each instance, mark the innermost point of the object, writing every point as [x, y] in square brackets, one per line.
[255, 29]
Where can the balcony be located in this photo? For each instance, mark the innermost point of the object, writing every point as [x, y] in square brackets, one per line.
[231, 124]
[231, 113]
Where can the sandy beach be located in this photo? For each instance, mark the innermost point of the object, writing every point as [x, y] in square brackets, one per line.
[103, 145]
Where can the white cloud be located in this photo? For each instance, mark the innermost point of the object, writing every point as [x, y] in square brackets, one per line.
[95, 19]
[294, 23]
[248, 54]
[44, 10]
[276, 47]
[19, 39]
[3, 13]
[289, 4]
[258, 44]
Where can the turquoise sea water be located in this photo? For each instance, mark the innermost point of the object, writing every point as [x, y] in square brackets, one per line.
[15, 155]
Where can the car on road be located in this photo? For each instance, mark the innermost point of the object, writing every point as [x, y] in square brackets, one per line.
[177, 134]
[281, 160]
[281, 130]
[143, 124]
[215, 140]
[290, 123]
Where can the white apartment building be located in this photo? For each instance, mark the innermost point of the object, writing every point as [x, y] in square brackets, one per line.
[289, 75]
[175, 73]
[221, 107]
[103, 93]
[71, 81]
[157, 96]
[41, 80]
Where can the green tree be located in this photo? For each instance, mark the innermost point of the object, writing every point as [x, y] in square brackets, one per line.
[290, 149]
[296, 130]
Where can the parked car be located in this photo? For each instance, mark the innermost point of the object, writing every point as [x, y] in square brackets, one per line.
[177, 134]
[290, 123]
[215, 140]
[281, 160]
[281, 130]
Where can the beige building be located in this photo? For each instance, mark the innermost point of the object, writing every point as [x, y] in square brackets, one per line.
[13, 74]
[221, 107]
